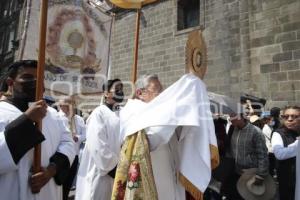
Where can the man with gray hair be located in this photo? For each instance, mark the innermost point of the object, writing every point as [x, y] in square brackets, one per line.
[163, 153]
[168, 138]
[147, 87]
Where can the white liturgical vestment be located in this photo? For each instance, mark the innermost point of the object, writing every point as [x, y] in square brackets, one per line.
[180, 130]
[14, 178]
[100, 155]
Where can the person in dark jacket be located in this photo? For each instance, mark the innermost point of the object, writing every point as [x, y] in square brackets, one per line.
[275, 114]
[284, 144]
[248, 149]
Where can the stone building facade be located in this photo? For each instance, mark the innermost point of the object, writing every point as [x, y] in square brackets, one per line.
[253, 46]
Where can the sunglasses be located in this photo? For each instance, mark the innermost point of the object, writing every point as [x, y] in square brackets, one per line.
[293, 117]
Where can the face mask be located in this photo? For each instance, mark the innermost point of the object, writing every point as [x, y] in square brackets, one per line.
[26, 91]
[118, 96]
[272, 123]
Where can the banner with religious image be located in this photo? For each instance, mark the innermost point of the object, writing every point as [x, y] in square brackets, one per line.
[77, 46]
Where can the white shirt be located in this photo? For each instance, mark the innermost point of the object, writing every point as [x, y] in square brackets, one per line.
[267, 131]
[281, 152]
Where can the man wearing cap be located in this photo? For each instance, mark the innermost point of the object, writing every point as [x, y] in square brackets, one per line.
[249, 150]
[19, 134]
[100, 155]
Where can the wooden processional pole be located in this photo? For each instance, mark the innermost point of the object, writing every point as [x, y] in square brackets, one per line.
[40, 75]
[136, 46]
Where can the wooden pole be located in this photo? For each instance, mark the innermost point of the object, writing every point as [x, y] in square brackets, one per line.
[40, 75]
[136, 46]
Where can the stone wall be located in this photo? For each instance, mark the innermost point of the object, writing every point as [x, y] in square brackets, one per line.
[275, 44]
[253, 46]
[160, 50]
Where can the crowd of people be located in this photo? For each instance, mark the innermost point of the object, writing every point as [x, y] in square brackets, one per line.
[257, 149]
[266, 141]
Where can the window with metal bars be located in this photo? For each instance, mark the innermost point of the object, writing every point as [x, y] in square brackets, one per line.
[9, 22]
[188, 14]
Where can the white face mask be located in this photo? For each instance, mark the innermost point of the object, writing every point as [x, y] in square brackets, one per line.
[272, 123]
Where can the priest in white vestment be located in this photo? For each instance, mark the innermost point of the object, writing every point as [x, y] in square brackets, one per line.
[101, 152]
[18, 136]
[179, 128]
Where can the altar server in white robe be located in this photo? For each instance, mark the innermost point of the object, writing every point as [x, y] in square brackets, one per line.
[178, 125]
[77, 127]
[18, 136]
[101, 152]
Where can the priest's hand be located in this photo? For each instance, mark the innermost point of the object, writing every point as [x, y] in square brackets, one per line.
[38, 180]
[37, 111]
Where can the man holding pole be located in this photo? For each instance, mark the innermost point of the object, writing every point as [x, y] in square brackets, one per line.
[19, 134]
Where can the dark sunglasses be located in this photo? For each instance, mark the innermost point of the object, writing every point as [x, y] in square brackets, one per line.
[293, 117]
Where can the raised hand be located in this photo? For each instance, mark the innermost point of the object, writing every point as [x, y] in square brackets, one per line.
[37, 111]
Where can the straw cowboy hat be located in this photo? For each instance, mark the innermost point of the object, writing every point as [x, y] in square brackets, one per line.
[249, 191]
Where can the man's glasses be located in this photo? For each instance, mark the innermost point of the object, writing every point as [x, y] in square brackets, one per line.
[293, 117]
[152, 92]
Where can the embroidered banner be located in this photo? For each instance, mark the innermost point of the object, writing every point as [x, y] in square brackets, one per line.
[77, 47]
